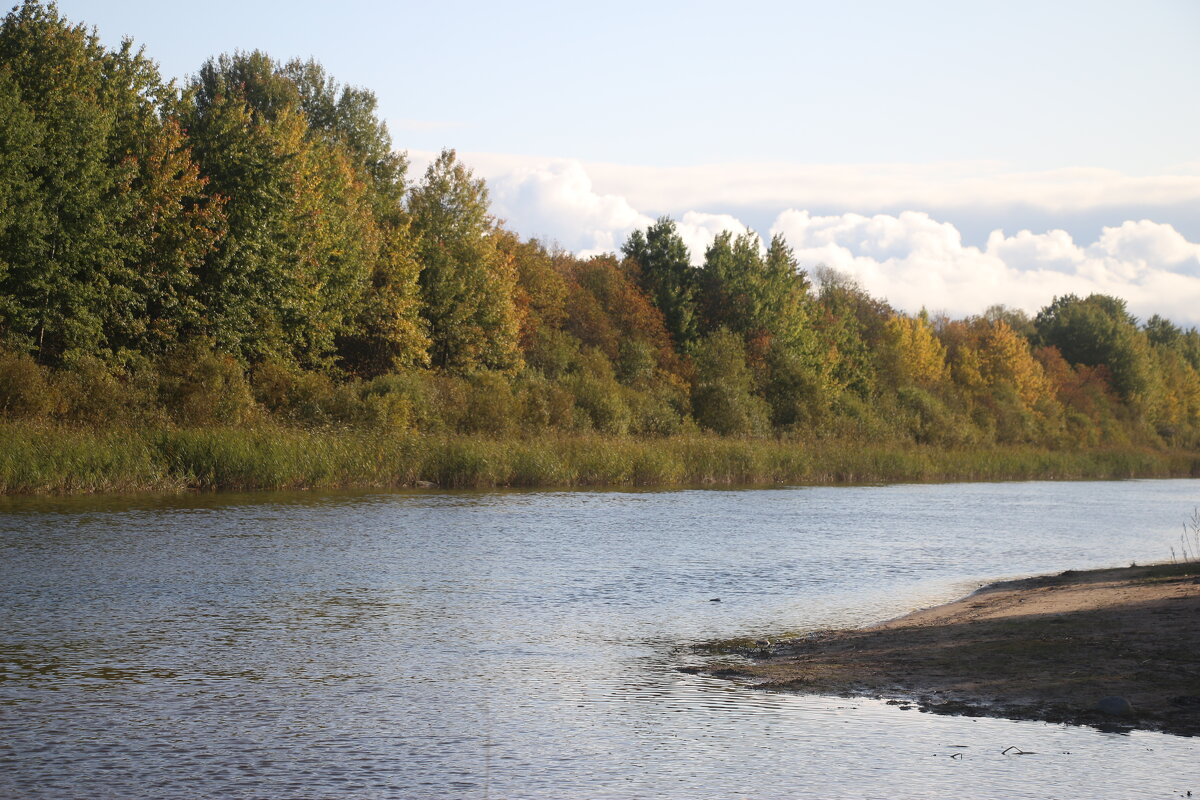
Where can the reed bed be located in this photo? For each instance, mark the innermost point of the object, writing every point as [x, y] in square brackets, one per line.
[60, 459]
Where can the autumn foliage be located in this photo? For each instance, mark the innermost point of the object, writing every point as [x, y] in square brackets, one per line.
[250, 246]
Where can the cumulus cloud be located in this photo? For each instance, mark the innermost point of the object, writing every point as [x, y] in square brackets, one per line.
[698, 230]
[912, 258]
[1146, 243]
[917, 262]
[757, 192]
[556, 200]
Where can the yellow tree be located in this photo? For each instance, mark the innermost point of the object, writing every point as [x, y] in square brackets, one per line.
[913, 353]
[1005, 357]
[1179, 410]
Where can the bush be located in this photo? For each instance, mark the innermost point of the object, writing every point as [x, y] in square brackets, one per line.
[491, 406]
[598, 394]
[403, 400]
[25, 390]
[297, 395]
[930, 421]
[552, 352]
[855, 418]
[201, 387]
[636, 361]
[723, 400]
[654, 412]
[387, 404]
[96, 393]
[795, 390]
[544, 405]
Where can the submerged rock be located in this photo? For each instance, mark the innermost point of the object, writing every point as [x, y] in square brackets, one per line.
[1114, 706]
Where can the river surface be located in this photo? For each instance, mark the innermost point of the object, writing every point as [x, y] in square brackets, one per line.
[512, 645]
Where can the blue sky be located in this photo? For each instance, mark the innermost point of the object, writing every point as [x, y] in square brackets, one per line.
[589, 119]
[1036, 85]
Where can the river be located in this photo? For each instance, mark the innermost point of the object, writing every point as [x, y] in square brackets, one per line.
[527, 644]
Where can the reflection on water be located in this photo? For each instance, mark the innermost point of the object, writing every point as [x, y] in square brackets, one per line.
[526, 644]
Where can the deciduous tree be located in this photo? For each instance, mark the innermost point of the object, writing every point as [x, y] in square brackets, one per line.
[466, 282]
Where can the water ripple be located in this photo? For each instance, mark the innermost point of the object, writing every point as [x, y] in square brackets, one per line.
[524, 644]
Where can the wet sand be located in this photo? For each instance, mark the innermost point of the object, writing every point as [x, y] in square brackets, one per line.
[1047, 648]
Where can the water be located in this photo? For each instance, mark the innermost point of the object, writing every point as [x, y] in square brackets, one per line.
[513, 645]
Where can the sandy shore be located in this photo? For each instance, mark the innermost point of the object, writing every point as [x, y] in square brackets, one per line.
[1047, 648]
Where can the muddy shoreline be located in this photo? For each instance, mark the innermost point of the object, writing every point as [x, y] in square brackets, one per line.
[1050, 648]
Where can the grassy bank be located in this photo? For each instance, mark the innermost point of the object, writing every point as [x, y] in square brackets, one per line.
[58, 459]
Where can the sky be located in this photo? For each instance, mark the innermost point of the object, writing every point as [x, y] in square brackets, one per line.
[947, 155]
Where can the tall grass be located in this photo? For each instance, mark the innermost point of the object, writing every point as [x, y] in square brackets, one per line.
[1189, 540]
[36, 459]
[59, 459]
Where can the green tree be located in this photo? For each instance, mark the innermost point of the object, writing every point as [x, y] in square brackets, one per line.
[386, 331]
[250, 161]
[759, 295]
[467, 283]
[1163, 333]
[764, 298]
[786, 306]
[103, 220]
[850, 328]
[1098, 330]
[665, 273]
[347, 116]
[797, 387]
[723, 398]
[315, 255]
[23, 221]
[731, 284]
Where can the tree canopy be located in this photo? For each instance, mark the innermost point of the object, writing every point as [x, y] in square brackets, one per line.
[251, 243]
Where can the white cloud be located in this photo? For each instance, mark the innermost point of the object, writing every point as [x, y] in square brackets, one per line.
[555, 200]
[776, 186]
[698, 230]
[1145, 242]
[908, 257]
[1053, 250]
[916, 262]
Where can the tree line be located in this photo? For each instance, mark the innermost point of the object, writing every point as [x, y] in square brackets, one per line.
[249, 245]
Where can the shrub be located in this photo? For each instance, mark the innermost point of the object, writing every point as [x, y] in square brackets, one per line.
[795, 390]
[722, 399]
[491, 406]
[201, 387]
[636, 361]
[598, 394]
[297, 395]
[930, 421]
[654, 412]
[25, 390]
[552, 352]
[544, 405]
[96, 393]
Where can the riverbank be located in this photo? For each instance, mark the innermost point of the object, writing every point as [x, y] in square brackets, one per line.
[58, 459]
[1047, 648]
